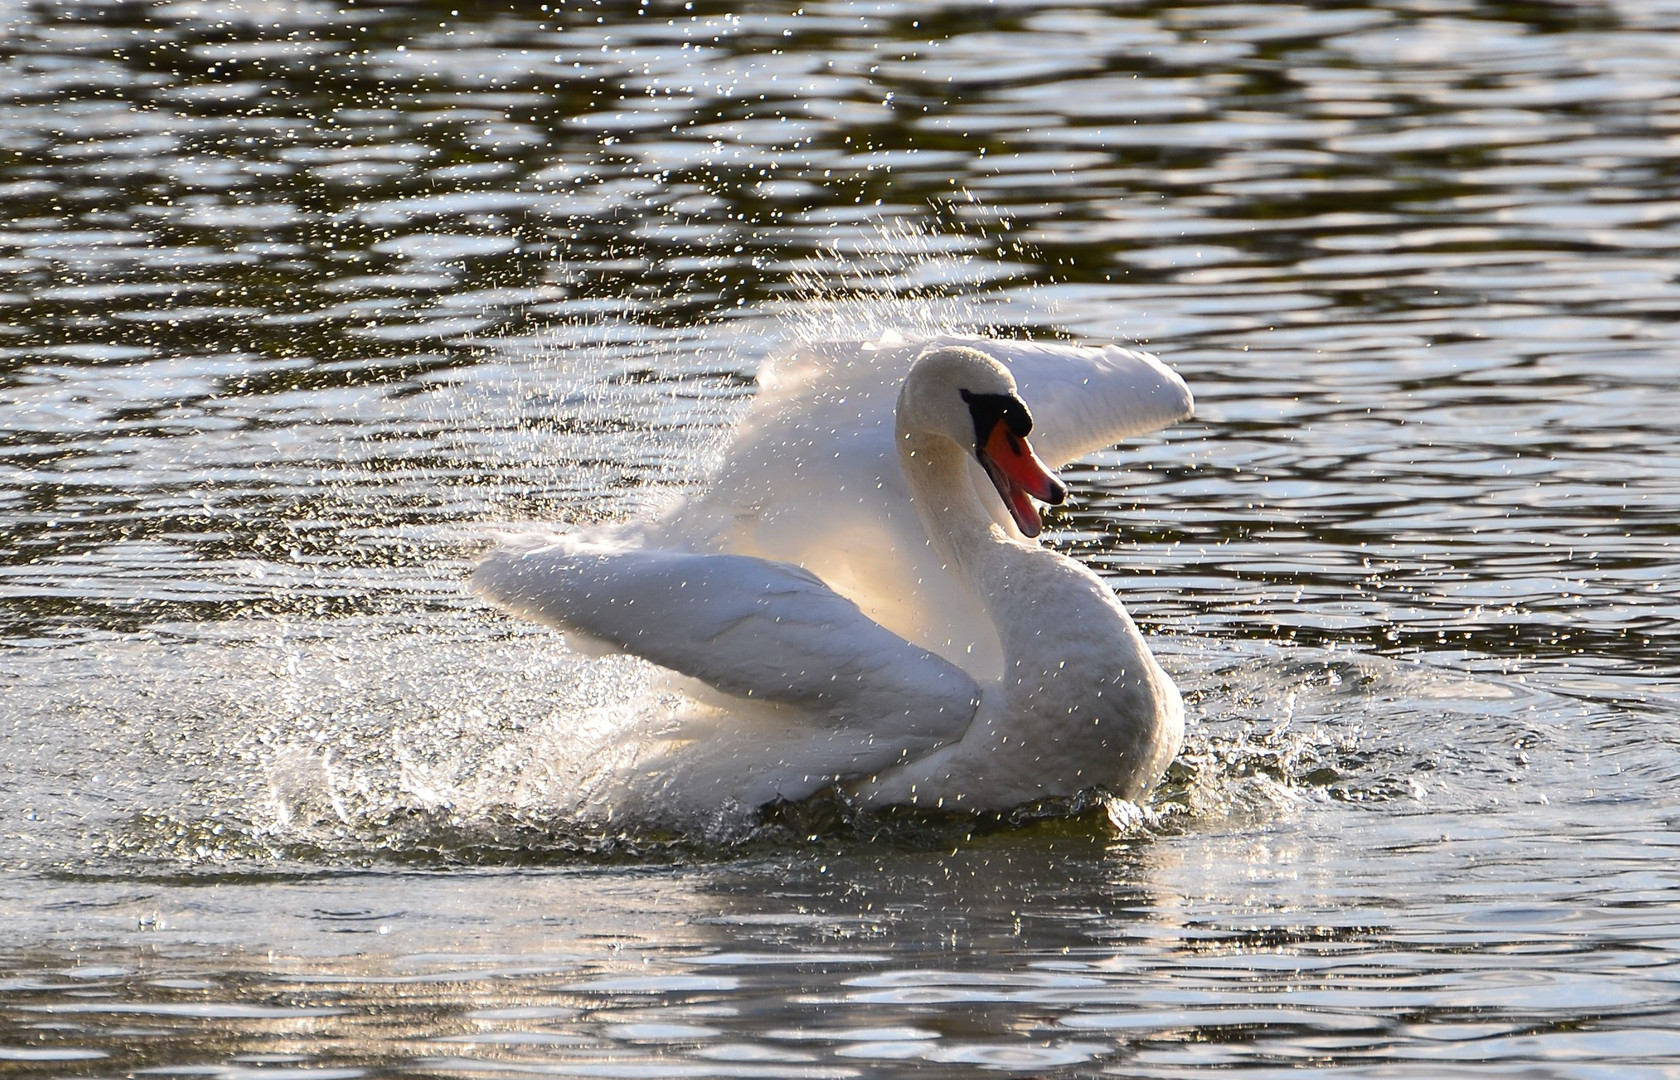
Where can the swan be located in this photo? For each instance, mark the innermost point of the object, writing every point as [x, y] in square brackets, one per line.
[859, 600]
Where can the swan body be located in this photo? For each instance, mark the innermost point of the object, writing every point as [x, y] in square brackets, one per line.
[859, 599]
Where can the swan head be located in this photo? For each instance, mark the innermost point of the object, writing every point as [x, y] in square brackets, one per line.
[961, 394]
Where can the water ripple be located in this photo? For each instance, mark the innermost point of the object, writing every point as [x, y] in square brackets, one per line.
[300, 306]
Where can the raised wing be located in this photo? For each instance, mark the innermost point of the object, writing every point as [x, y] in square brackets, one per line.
[749, 627]
[813, 478]
[816, 452]
[1086, 398]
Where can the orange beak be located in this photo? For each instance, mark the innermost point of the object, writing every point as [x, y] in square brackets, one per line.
[1020, 476]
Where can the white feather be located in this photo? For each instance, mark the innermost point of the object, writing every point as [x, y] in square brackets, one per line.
[873, 624]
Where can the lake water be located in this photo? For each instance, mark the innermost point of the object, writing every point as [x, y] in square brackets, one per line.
[303, 304]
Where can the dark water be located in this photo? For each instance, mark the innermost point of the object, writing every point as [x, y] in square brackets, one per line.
[303, 303]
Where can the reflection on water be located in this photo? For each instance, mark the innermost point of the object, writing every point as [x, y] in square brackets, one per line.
[1031, 951]
[299, 305]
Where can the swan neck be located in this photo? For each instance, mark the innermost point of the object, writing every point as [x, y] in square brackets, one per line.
[942, 488]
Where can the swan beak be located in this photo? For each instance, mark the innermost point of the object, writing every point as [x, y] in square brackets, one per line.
[1020, 476]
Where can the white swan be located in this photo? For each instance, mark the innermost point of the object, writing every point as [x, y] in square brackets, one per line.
[861, 585]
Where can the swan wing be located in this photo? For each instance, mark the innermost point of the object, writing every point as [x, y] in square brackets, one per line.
[836, 401]
[816, 456]
[812, 476]
[1085, 398]
[748, 627]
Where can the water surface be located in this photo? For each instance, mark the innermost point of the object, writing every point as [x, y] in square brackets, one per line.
[304, 305]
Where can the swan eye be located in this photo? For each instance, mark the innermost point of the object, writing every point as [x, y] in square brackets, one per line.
[988, 409]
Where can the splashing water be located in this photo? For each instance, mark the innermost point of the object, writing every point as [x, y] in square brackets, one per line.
[308, 303]
[423, 726]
